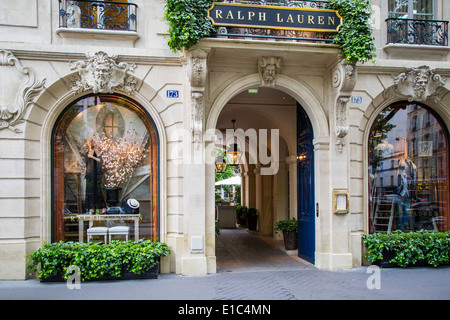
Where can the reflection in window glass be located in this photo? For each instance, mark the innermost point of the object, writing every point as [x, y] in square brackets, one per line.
[104, 163]
[408, 171]
[411, 9]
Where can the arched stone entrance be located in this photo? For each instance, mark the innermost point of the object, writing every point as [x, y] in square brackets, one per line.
[281, 200]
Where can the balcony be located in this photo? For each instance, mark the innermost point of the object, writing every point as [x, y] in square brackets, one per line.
[417, 32]
[99, 15]
[274, 34]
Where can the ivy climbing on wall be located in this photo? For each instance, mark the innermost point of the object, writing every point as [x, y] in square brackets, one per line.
[188, 23]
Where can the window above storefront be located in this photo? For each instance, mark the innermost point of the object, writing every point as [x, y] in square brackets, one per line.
[103, 15]
[414, 22]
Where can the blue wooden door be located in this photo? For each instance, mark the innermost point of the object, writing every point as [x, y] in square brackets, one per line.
[305, 187]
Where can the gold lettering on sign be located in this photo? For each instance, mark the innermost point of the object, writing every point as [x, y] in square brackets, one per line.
[278, 18]
[300, 18]
[331, 20]
[289, 19]
[310, 19]
[262, 16]
[219, 14]
[230, 15]
[321, 20]
[239, 16]
[251, 14]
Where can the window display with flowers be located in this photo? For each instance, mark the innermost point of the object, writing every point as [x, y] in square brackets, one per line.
[104, 143]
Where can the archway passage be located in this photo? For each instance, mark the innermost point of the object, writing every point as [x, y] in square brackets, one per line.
[276, 196]
[104, 143]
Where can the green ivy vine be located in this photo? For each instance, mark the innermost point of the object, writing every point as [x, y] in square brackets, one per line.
[188, 23]
[355, 35]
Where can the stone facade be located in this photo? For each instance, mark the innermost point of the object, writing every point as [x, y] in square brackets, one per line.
[44, 68]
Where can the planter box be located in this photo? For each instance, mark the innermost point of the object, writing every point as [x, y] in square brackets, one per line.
[152, 273]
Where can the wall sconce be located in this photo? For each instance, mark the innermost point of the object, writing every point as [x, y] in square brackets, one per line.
[341, 201]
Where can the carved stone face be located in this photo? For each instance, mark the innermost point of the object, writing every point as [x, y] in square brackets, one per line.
[102, 73]
[269, 73]
[420, 82]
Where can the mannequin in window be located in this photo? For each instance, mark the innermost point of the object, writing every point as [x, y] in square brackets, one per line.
[407, 170]
[94, 195]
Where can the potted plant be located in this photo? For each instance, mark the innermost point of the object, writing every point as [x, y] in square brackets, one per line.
[241, 215]
[252, 218]
[116, 260]
[289, 228]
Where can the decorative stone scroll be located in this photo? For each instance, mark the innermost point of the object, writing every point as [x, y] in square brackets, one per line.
[269, 69]
[344, 80]
[197, 70]
[418, 84]
[103, 74]
[197, 119]
[20, 88]
[341, 121]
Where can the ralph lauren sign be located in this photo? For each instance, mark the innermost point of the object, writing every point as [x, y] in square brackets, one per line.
[273, 17]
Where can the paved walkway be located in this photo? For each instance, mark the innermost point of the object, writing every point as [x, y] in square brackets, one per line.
[252, 268]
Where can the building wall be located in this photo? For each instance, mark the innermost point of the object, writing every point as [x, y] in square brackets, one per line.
[312, 74]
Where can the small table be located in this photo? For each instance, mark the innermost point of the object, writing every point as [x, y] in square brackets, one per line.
[99, 217]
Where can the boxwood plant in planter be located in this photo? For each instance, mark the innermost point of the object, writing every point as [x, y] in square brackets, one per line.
[127, 259]
[290, 232]
[405, 249]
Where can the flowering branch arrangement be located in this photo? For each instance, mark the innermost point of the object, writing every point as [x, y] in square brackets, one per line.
[119, 158]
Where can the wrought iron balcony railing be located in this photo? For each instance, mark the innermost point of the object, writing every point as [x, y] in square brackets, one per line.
[413, 31]
[277, 35]
[104, 15]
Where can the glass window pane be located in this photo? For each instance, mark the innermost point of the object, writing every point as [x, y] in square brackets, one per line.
[423, 9]
[409, 182]
[101, 143]
[398, 8]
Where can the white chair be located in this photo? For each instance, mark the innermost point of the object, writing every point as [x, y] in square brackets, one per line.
[119, 230]
[97, 231]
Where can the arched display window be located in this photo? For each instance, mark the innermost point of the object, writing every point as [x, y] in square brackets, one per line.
[408, 170]
[104, 169]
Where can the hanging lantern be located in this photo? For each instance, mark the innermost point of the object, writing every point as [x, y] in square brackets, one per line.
[233, 155]
[221, 165]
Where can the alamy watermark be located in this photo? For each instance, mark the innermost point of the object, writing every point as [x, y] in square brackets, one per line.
[74, 281]
[258, 147]
[374, 281]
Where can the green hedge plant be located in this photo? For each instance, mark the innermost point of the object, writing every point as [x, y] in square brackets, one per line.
[409, 247]
[96, 260]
